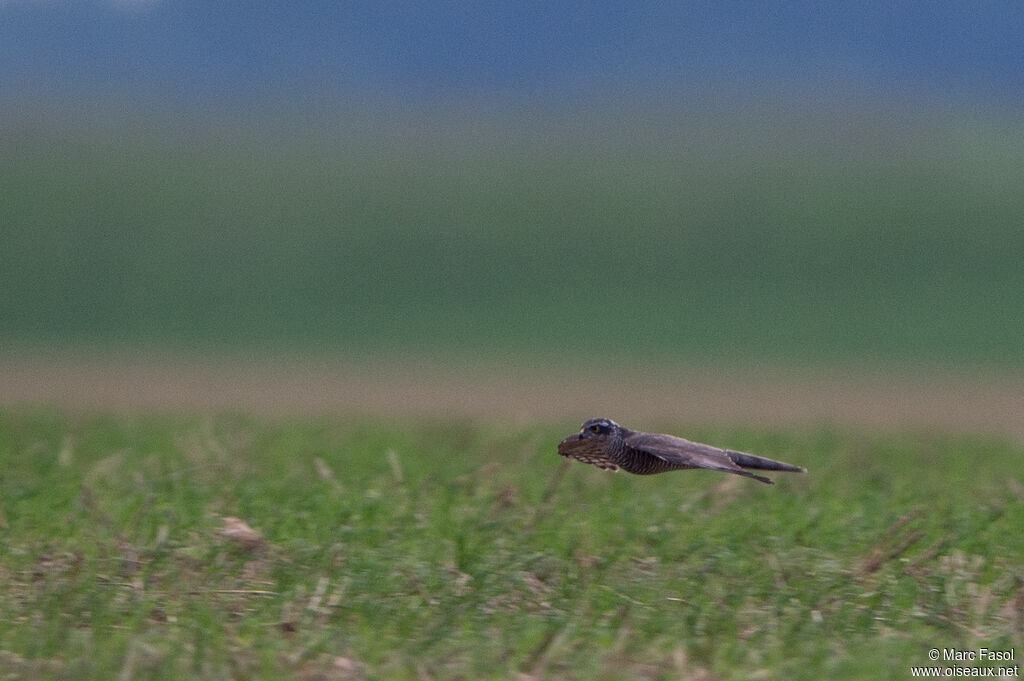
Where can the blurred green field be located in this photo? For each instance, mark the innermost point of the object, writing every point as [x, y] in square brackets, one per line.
[864, 234]
[470, 550]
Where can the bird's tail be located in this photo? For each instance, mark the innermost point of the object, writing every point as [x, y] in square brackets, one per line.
[761, 463]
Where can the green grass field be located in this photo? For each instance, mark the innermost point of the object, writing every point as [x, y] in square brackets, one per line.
[868, 234]
[401, 549]
[470, 550]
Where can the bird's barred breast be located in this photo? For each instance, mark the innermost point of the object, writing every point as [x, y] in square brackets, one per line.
[587, 451]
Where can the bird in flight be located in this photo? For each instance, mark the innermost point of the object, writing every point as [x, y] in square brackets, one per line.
[609, 446]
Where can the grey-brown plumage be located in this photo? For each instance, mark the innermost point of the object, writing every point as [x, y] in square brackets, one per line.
[609, 446]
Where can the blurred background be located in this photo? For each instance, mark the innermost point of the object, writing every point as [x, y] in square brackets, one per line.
[237, 196]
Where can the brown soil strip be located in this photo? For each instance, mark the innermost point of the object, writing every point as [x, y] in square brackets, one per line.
[642, 396]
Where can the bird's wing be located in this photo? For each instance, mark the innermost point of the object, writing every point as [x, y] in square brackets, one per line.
[687, 454]
[586, 450]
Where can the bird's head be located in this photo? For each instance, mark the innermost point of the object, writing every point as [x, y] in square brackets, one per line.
[599, 429]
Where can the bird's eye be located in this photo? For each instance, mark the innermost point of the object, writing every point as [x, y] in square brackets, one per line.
[595, 428]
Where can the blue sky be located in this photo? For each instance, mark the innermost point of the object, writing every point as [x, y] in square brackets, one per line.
[207, 50]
